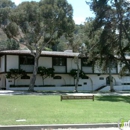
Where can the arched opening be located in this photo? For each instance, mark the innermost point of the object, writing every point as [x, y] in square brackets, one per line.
[108, 80]
[87, 83]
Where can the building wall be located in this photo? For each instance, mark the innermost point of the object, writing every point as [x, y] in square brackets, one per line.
[66, 83]
[97, 69]
[2, 81]
[120, 66]
[45, 61]
[72, 65]
[27, 68]
[90, 84]
[2, 64]
[12, 62]
[65, 79]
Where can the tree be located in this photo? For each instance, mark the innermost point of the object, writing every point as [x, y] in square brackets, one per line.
[15, 74]
[12, 44]
[40, 24]
[81, 74]
[73, 42]
[112, 17]
[77, 38]
[6, 7]
[45, 72]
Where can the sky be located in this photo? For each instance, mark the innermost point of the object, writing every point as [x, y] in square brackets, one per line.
[80, 8]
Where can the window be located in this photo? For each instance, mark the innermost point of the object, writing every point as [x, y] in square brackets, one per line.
[59, 61]
[85, 63]
[101, 78]
[125, 83]
[26, 60]
[85, 83]
[57, 77]
[59, 64]
[114, 64]
[87, 67]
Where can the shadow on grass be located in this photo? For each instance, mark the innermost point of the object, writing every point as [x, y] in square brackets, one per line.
[114, 98]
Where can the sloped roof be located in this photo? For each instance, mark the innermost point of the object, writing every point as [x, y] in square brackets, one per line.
[44, 53]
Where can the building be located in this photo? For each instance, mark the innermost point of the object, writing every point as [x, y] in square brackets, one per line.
[63, 63]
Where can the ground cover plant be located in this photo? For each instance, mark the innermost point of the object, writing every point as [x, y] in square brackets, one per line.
[50, 110]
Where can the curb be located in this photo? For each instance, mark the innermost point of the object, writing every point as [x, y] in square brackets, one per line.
[55, 126]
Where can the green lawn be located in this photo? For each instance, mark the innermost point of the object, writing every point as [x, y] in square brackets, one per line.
[50, 110]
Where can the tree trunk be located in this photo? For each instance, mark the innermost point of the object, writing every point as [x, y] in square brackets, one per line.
[43, 81]
[110, 78]
[33, 78]
[77, 78]
[14, 81]
[91, 83]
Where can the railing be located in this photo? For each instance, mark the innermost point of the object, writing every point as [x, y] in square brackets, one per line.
[100, 87]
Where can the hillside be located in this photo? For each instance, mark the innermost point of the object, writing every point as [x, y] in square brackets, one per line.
[3, 38]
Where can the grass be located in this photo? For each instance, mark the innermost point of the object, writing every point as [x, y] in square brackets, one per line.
[50, 110]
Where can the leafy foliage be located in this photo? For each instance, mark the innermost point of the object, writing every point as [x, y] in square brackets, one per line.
[9, 44]
[15, 74]
[6, 6]
[45, 72]
[73, 73]
[5, 9]
[111, 21]
[77, 38]
[12, 44]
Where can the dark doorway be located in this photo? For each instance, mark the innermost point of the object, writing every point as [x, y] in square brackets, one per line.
[108, 80]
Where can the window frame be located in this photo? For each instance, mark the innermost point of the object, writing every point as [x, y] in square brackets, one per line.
[62, 59]
[88, 64]
[26, 60]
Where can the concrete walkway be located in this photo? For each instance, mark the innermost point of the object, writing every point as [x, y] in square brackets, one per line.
[91, 129]
[63, 129]
[12, 92]
[109, 126]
